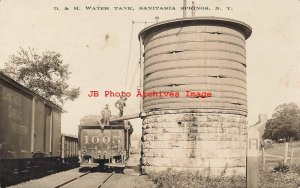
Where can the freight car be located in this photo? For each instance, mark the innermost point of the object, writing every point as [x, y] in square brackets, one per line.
[69, 151]
[30, 133]
[104, 147]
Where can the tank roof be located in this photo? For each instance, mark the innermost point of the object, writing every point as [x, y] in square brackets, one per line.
[244, 28]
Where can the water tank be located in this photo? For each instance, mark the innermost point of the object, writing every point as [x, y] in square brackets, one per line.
[191, 57]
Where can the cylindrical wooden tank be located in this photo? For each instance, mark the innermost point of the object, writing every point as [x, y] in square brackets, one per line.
[184, 132]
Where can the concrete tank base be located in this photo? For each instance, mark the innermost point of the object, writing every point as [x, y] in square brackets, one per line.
[194, 140]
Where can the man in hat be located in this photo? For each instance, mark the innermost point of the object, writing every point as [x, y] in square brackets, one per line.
[105, 115]
[120, 105]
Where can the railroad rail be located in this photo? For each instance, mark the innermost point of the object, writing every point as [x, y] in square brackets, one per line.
[102, 184]
[84, 180]
[69, 181]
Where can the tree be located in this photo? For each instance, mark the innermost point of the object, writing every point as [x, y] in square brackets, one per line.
[44, 74]
[284, 124]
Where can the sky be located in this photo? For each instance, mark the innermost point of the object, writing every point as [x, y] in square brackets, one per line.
[96, 43]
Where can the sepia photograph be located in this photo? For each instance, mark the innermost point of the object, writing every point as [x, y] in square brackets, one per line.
[158, 94]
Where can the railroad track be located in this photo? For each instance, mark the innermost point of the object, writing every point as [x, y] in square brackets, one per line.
[69, 181]
[88, 179]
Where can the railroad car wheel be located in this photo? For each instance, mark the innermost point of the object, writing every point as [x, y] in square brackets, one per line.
[84, 169]
[118, 169]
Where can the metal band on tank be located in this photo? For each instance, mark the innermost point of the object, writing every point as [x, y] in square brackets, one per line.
[203, 67]
[196, 41]
[195, 99]
[195, 110]
[190, 37]
[228, 100]
[183, 75]
[160, 86]
[216, 96]
[198, 58]
[194, 58]
[189, 106]
[193, 50]
[192, 32]
[196, 30]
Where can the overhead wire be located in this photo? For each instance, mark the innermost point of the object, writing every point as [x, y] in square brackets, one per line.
[133, 77]
[129, 54]
[129, 57]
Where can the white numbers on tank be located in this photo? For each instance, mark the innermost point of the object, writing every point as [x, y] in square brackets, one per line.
[116, 140]
[95, 140]
[105, 140]
[86, 139]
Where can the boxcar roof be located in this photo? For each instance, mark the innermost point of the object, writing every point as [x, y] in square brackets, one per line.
[16, 85]
[69, 135]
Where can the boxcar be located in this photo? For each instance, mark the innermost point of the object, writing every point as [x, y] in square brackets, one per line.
[69, 150]
[103, 147]
[30, 132]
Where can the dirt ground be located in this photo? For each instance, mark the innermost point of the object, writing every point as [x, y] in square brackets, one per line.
[91, 180]
[127, 181]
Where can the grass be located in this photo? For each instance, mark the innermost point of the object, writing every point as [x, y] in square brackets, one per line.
[270, 178]
[184, 179]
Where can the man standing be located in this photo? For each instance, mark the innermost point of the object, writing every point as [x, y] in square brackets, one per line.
[120, 105]
[105, 115]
